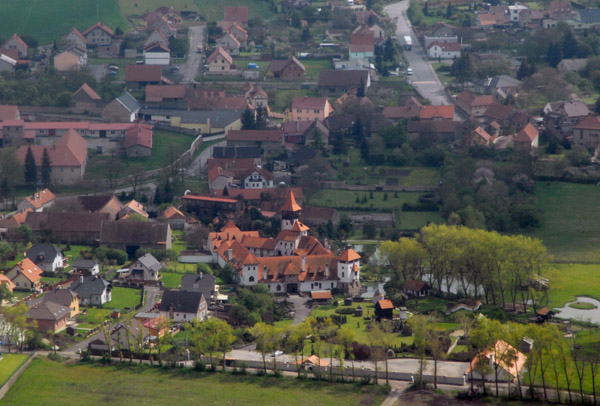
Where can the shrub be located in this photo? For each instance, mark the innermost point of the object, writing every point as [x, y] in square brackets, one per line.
[199, 366]
[361, 352]
[345, 310]
[86, 356]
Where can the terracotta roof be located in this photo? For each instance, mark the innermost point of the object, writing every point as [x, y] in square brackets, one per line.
[498, 111]
[39, 199]
[255, 135]
[219, 52]
[21, 216]
[209, 198]
[443, 112]
[590, 123]
[481, 133]
[155, 93]
[385, 304]
[141, 134]
[4, 280]
[500, 351]
[259, 242]
[290, 204]
[299, 227]
[322, 295]
[19, 41]
[287, 235]
[127, 232]
[143, 73]
[399, 112]
[348, 255]
[85, 88]
[173, 213]
[544, 311]
[30, 270]
[309, 103]
[239, 14]
[255, 194]
[471, 99]
[278, 65]
[136, 207]
[527, 134]
[313, 359]
[69, 150]
[343, 77]
[156, 47]
[9, 112]
[101, 26]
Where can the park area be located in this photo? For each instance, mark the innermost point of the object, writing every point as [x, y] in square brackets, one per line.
[90, 384]
[570, 223]
[9, 364]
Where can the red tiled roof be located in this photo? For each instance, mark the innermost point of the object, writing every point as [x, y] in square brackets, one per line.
[220, 52]
[309, 103]
[323, 295]
[85, 88]
[589, 123]
[385, 304]
[290, 204]
[141, 134]
[30, 270]
[101, 26]
[255, 135]
[19, 40]
[527, 134]
[446, 46]
[415, 286]
[173, 213]
[8, 112]
[143, 73]
[156, 93]
[79, 34]
[444, 112]
[69, 150]
[480, 132]
[349, 255]
[209, 199]
[238, 14]
[471, 99]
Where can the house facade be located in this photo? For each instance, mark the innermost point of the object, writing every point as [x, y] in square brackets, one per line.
[443, 50]
[183, 306]
[310, 109]
[220, 61]
[98, 34]
[290, 69]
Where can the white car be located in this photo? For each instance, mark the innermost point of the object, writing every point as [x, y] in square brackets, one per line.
[277, 353]
[409, 72]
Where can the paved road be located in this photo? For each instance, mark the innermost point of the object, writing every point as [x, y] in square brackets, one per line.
[424, 78]
[198, 165]
[301, 308]
[190, 69]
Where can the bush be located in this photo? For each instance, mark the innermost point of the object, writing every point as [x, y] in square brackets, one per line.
[55, 357]
[199, 366]
[345, 310]
[86, 356]
[111, 254]
[361, 352]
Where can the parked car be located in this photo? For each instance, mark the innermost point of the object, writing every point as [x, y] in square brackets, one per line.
[277, 353]
[174, 68]
[112, 73]
[252, 66]
[113, 67]
[409, 72]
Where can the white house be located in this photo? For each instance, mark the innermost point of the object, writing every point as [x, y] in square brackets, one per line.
[183, 306]
[47, 256]
[258, 178]
[443, 50]
[145, 268]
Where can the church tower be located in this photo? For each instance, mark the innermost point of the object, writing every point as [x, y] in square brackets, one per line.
[290, 212]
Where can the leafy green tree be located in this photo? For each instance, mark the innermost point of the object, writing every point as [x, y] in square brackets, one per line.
[554, 55]
[248, 120]
[30, 168]
[569, 45]
[46, 168]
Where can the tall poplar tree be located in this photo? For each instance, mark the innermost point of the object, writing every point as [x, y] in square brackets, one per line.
[30, 169]
[46, 168]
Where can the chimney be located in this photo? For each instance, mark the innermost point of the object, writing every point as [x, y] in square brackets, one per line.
[303, 263]
[80, 278]
[229, 254]
[201, 275]
[327, 270]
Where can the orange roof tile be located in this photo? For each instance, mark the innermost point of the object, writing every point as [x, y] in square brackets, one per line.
[30, 270]
[326, 294]
[349, 255]
[173, 213]
[385, 304]
[527, 134]
[290, 204]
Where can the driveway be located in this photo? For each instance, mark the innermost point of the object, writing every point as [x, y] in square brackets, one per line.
[423, 78]
[198, 165]
[190, 69]
[301, 308]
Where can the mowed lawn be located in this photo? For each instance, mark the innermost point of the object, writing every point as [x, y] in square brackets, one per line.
[124, 298]
[51, 20]
[215, 10]
[81, 384]
[571, 223]
[137, 7]
[9, 365]
[570, 280]
[346, 199]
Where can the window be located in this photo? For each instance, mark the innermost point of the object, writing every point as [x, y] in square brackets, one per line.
[317, 111]
[342, 274]
[251, 279]
[278, 288]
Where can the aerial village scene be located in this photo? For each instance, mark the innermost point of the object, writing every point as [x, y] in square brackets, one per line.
[300, 202]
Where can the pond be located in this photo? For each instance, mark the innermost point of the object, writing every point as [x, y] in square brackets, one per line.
[591, 315]
[372, 288]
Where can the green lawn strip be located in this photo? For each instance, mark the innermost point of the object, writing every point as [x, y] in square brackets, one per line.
[9, 364]
[414, 220]
[93, 317]
[124, 298]
[171, 280]
[569, 230]
[78, 384]
[50, 280]
[33, 17]
[136, 7]
[346, 199]
[98, 165]
[358, 324]
[570, 280]
[215, 10]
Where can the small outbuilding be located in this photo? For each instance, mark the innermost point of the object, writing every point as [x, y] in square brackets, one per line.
[416, 288]
[384, 309]
[322, 297]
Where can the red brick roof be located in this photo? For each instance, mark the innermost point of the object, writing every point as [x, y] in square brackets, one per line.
[430, 112]
[30, 270]
[290, 204]
[140, 134]
[85, 88]
[471, 99]
[349, 255]
[255, 135]
[527, 134]
[70, 150]
[220, 52]
[8, 112]
[101, 26]
[79, 34]
[19, 41]
[143, 73]
[590, 123]
[309, 103]
[446, 46]
[209, 199]
[173, 213]
[385, 304]
[324, 295]
[156, 93]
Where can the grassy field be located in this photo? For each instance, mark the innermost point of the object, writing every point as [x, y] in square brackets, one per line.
[570, 231]
[414, 220]
[346, 199]
[9, 365]
[215, 10]
[124, 298]
[171, 280]
[357, 324]
[570, 280]
[80, 384]
[137, 7]
[98, 166]
[51, 20]
[353, 170]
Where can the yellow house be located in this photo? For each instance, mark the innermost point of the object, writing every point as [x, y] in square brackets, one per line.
[64, 297]
[219, 61]
[208, 122]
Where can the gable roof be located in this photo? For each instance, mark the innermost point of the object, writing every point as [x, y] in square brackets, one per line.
[62, 297]
[349, 255]
[589, 123]
[78, 33]
[321, 295]
[43, 253]
[95, 203]
[415, 286]
[19, 40]
[220, 52]
[290, 204]
[501, 349]
[173, 213]
[231, 37]
[101, 26]
[309, 103]
[527, 134]
[385, 304]
[471, 99]
[129, 102]
[92, 285]
[48, 311]
[29, 269]
[9, 112]
[156, 93]
[66, 222]
[202, 282]
[140, 134]
[446, 46]
[181, 301]
[39, 199]
[143, 73]
[481, 133]
[87, 90]
[128, 232]
[430, 112]
[255, 135]
[69, 150]
[498, 111]
[150, 262]
[280, 64]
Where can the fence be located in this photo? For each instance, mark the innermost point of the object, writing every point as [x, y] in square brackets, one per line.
[13, 378]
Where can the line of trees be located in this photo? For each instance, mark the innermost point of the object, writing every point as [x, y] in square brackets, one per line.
[506, 269]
